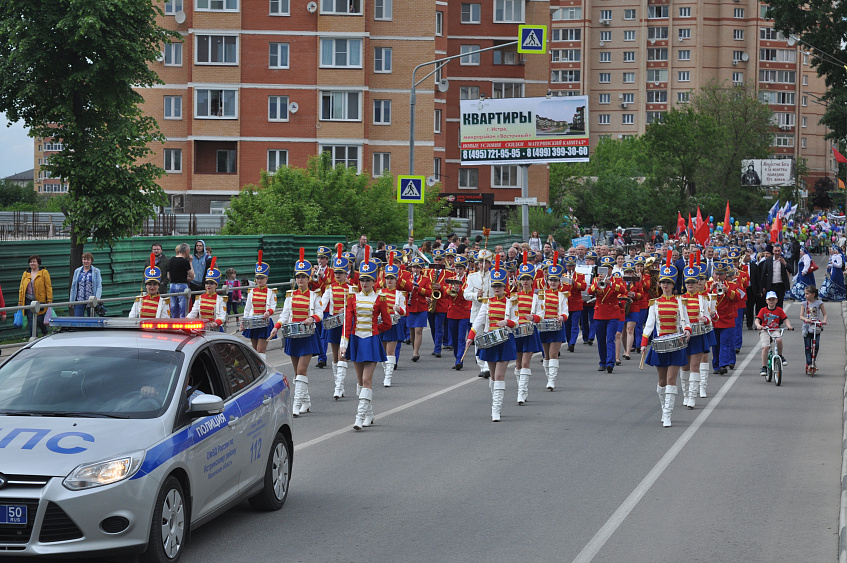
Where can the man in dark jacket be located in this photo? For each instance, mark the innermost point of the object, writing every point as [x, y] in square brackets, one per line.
[775, 274]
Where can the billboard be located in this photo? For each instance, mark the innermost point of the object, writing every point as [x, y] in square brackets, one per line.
[524, 130]
[767, 172]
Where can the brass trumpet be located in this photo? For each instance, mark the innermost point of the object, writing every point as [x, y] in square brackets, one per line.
[452, 293]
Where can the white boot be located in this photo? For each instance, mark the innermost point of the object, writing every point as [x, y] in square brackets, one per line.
[370, 417]
[306, 400]
[660, 391]
[546, 364]
[389, 369]
[364, 399]
[298, 396]
[683, 377]
[491, 386]
[704, 379]
[518, 376]
[498, 392]
[670, 400]
[340, 374]
[694, 387]
[523, 385]
[552, 373]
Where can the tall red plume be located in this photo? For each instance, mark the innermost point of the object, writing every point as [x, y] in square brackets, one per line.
[339, 246]
[367, 254]
[391, 258]
[556, 258]
[302, 253]
[152, 260]
[690, 260]
[497, 261]
[260, 257]
[698, 257]
[525, 253]
[670, 257]
[214, 261]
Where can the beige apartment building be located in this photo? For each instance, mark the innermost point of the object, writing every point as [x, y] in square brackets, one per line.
[258, 84]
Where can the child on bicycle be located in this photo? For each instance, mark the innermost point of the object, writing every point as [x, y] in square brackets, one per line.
[770, 318]
[812, 311]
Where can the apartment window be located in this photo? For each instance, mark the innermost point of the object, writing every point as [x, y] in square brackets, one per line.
[805, 58]
[340, 106]
[804, 101]
[505, 177]
[439, 23]
[604, 119]
[657, 96]
[341, 53]
[566, 55]
[225, 161]
[738, 13]
[605, 36]
[470, 13]
[629, 56]
[567, 14]
[566, 76]
[657, 33]
[770, 34]
[436, 168]
[629, 14]
[173, 107]
[508, 11]
[629, 35]
[683, 76]
[737, 77]
[382, 163]
[506, 90]
[468, 178]
[348, 7]
[655, 116]
[774, 97]
[605, 56]
[779, 76]
[173, 6]
[606, 15]
[763, 12]
[383, 9]
[469, 93]
[628, 119]
[382, 112]
[803, 122]
[802, 142]
[215, 103]
[605, 98]
[657, 54]
[218, 5]
[628, 98]
[738, 34]
[684, 54]
[502, 57]
[217, 49]
[566, 35]
[783, 140]
[785, 119]
[173, 54]
[472, 59]
[173, 161]
[605, 77]
[382, 59]
[737, 56]
[278, 57]
[657, 12]
[437, 118]
[657, 75]
[280, 8]
[348, 155]
[683, 97]
[805, 79]
[628, 77]
[684, 33]
[277, 158]
[277, 108]
[685, 12]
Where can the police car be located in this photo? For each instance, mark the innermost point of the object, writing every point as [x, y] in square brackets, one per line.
[124, 434]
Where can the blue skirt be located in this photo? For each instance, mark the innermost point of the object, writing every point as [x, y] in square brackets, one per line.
[260, 333]
[678, 358]
[698, 344]
[308, 346]
[416, 320]
[504, 352]
[632, 317]
[394, 334]
[553, 336]
[333, 335]
[531, 343]
[366, 349]
[711, 339]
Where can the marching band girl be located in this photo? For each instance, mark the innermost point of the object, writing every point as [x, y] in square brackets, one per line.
[634, 293]
[524, 303]
[606, 314]
[550, 305]
[644, 302]
[419, 289]
[573, 295]
[332, 302]
[726, 296]
[477, 291]
[210, 305]
[697, 307]
[459, 313]
[710, 339]
[322, 278]
[396, 303]
[261, 300]
[152, 305]
[301, 306]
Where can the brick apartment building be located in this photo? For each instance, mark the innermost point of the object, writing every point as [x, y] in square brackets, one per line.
[260, 84]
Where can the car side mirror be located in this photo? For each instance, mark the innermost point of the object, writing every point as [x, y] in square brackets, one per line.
[203, 405]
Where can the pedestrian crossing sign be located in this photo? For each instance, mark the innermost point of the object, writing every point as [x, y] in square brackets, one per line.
[532, 39]
[410, 189]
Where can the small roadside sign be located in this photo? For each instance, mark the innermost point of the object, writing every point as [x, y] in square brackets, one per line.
[532, 39]
[410, 189]
[526, 200]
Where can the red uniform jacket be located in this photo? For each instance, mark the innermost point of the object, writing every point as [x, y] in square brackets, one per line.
[726, 304]
[575, 302]
[416, 301]
[606, 307]
[460, 308]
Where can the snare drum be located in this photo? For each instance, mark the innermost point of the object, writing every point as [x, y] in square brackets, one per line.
[395, 318]
[669, 343]
[254, 321]
[525, 329]
[492, 338]
[297, 330]
[698, 328]
[334, 321]
[550, 325]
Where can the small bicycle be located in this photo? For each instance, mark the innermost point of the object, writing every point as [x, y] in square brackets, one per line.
[815, 329]
[774, 365]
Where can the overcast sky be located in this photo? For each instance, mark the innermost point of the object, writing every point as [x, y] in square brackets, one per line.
[15, 148]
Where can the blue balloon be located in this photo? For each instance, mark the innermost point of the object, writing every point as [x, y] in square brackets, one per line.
[732, 219]
[711, 219]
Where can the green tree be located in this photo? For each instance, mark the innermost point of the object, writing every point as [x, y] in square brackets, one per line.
[69, 69]
[13, 194]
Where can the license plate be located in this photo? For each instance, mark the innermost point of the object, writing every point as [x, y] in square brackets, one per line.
[13, 514]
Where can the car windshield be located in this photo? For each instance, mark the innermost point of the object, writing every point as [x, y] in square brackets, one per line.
[89, 381]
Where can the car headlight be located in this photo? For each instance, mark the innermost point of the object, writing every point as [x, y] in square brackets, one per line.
[104, 472]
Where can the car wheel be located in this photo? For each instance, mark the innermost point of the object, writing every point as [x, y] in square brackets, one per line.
[277, 476]
[170, 525]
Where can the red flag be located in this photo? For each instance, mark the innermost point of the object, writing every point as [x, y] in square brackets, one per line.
[701, 235]
[840, 158]
[689, 231]
[680, 223]
[726, 226]
[776, 229]
[699, 217]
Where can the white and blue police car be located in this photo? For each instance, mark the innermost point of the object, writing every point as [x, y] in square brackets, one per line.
[124, 434]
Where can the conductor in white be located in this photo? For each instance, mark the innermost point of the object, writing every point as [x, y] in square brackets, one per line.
[477, 291]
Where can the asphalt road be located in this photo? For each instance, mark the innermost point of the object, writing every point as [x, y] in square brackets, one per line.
[583, 473]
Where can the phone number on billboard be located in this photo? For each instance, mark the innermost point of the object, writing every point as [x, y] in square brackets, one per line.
[523, 153]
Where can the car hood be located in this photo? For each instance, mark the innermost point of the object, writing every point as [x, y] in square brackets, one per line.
[53, 446]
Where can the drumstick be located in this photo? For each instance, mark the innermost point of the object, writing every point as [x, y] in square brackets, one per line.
[643, 357]
[462, 360]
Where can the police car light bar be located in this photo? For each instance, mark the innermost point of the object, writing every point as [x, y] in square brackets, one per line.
[190, 326]
[175, 325]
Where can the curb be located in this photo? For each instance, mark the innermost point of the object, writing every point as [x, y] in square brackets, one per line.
[842, 516]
